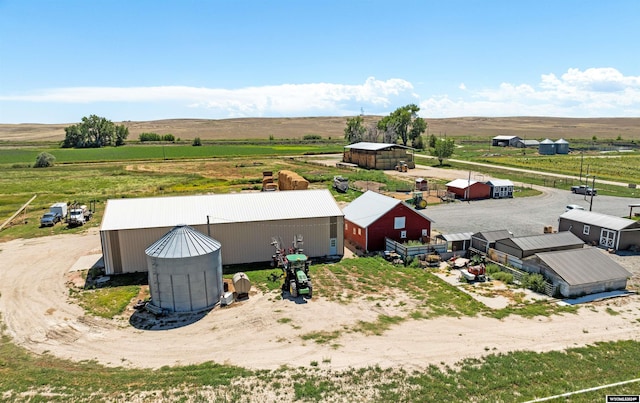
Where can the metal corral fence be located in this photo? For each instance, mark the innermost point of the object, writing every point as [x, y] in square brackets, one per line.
[410, 251]
[518, 275]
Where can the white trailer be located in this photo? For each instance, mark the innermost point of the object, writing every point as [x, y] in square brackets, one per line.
[60, 209]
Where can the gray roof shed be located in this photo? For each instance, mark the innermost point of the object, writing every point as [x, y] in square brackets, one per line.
[583, 266]
[598, 219]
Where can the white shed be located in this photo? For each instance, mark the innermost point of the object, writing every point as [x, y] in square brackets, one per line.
[243, 222]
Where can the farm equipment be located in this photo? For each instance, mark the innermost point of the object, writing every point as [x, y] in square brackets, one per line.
[418, 201]
[401, 166]
[475, 273]
[341, 184]
[295, 268]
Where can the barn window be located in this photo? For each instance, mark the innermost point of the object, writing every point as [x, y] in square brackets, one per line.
[399, 222]
[424, 232]
[359, 231]
[354, 230]
[403, 234]
[346, 227]
[586, 229]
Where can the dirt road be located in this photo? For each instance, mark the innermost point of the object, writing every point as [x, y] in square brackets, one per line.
[265, 331]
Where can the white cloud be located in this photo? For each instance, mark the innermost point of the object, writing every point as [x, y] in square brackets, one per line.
[284, 100]
[594, 92]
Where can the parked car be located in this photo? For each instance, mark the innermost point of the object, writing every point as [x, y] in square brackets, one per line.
[573, 207]
[50, 219]
[584, 190]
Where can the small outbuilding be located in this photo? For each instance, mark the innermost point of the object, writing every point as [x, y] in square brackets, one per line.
[484, 240]
[469, 189]
[562, 146]
[458, 241]
[505, 141]
[500, 188]
[378, 155]
[601, 229]
[547, 147]
[527, 143]
[185, 271]
[525, 246]
[372, 217]
[578, 272]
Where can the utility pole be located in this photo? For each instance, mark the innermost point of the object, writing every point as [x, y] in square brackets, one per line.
[593, 190]
[581, 160]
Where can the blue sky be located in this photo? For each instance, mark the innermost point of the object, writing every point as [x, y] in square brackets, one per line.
[142, 60]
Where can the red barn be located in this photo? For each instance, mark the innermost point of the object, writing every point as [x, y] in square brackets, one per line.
[469, 190]
[373, 216]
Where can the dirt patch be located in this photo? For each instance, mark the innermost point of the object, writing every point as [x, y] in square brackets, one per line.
[267, 331]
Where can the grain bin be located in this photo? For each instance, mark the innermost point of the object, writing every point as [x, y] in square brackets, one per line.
[185, 271]
[242, 285]
[562, 146]
[547, 147]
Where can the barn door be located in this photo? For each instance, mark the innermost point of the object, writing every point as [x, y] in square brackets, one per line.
[607, 238]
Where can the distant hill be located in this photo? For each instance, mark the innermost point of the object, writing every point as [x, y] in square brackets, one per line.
[263, 128]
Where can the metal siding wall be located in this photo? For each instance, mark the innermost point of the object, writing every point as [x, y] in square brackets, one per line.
[133, 244]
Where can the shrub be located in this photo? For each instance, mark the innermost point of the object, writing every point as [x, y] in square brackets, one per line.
[493, 268]
[197, 142]
[149, 137]
[534, 282]
[169, 137]
[312, 137]
[505, 277]
[44, 160]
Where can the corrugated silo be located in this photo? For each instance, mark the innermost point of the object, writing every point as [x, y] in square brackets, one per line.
[547, 147]
[562, 146]
[185, 270]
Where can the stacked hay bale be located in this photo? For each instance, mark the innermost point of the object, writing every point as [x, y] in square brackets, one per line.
[289, 180]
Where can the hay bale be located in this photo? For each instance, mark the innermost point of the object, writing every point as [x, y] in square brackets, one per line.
[289, 180]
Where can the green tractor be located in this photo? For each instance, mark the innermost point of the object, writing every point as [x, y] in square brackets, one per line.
[295, 267]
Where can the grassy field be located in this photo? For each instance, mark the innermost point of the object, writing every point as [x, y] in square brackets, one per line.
[530, 127]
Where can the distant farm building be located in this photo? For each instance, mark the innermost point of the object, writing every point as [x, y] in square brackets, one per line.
[505, 141]
[578, 272]
[601, 229]
[527, 143]
[378, 155]
[547, 147]
[469, 189]
[372, 217]
[500, 188]
[243, 223]
[562, 146]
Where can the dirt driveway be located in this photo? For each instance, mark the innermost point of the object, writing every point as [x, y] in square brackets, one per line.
[265, 331]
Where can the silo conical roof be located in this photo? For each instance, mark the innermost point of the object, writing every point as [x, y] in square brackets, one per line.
[547, 141]
[562, 141]
[182, 241]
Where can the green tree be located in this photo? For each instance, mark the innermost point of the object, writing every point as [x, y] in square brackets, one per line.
[443, 149]
[94, 131]
[44, 160]
[355, 130]
[432, 141]
[197, 142]
[405, 122]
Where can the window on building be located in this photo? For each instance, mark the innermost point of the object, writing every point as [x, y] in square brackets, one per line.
[424, 232]
[399, 222]
[403, 234]
[586, 229]
[354, 230]
[359, 231]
